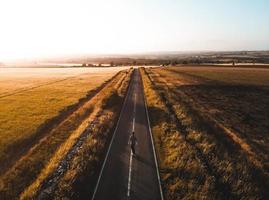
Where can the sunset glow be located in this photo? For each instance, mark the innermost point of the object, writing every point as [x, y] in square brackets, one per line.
[35, 28]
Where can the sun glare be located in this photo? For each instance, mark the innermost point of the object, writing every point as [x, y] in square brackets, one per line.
[34, 28]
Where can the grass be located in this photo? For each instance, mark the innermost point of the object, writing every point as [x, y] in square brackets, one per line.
[84, 164]
[28, 167]
[228, 170]
[23, 113]
[228, 75]
[183, 176]
[240, 107]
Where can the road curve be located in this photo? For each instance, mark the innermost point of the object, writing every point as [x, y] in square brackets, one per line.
[124, 176]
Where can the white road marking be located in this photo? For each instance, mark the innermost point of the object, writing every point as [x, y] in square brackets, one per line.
[104, 163]
[130, 174]
[133, 125]
[131, 154]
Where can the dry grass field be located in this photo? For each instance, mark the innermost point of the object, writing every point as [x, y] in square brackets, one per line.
[42, 112]
[212, 136]
[29, 97]
[85, 163]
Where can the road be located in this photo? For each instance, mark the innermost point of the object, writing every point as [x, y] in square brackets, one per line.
[123, 175]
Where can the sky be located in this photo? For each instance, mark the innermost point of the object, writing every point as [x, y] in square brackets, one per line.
[44, 28]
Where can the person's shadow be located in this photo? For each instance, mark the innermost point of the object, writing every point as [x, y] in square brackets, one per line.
[143, 161]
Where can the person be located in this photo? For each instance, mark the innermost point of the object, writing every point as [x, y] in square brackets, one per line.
[133, 142]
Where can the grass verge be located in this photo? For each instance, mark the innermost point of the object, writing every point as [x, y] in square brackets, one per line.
[225, 170]
[42, 155]
[84, 164]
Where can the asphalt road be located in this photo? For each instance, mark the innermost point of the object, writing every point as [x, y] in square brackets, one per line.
[123, 175]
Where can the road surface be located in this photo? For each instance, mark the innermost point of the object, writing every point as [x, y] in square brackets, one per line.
[123, 175]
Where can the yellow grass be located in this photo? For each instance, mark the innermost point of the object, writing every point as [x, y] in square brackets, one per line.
[22, 113]
[85, 166]
[235, 99]
[237, 75]
[223, 158]
[17, 177]
[183, 176]
[106, 120]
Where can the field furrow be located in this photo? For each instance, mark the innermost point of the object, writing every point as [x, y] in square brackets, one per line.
[235, 176]
[47, 151]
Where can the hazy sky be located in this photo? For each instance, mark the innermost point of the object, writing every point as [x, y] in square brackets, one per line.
[33, 28]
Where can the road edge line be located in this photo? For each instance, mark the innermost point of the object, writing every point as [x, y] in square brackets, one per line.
[112, 139]
[151, 137]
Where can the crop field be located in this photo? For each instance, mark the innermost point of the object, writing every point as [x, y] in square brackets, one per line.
[33, 96]
[41, 107]
[209, 124]
[212, 131]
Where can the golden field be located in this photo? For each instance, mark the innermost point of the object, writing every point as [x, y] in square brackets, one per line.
[29, 97]
[37, 121]
[211, 135]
